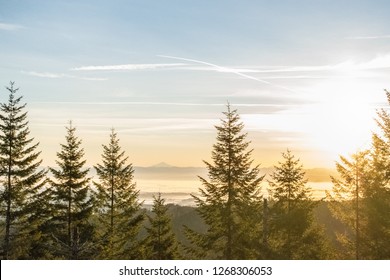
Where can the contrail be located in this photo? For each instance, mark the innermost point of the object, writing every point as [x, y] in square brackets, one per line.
[229, 70]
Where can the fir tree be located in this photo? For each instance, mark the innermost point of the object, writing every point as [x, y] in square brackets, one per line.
[230, 202]
[347, 202]
[22, 180]
[160, 243]
[292, 231]
[72, 201]
[120, 210]
[378, 192]
[361, 197]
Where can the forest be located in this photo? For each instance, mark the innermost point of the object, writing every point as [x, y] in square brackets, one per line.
[62, 213]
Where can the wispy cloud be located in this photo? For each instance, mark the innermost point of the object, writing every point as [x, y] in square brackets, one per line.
[369, 37]
[59, 76]
[43, 74]
[100, 125]
[127, 67]
[266, 107]
[228, 70]
[378, 62]
[349, 67]
[218, 68]
[9, 27]
[225, 69]
[147, 103]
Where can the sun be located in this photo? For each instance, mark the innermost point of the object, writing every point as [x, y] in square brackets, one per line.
[343, 118]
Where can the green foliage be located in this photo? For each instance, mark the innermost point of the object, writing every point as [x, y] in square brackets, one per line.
[292, 234]
[21, 181]
[347, 201]
[67, 220]
[72, 201]
[361, 197]
[378, 191]
[119, 210]
[229, 201]
[160, 243]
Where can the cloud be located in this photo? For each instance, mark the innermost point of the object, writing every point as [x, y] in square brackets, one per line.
[140, 125]
[9, 27]
[229, 70]
[138, 103]
[44, 74]
[147, 103]
[340, 70]
[59, 76]
[128, 67]
[369, 37]
[97, 107]
[217, 68]
[379, 62]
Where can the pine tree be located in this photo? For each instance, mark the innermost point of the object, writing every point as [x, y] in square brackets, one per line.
[120, 210]
[378, 191]
[160, 243]
[229, 203]
[293, 234]
[72, 201]
[361, 197]
[347, 202]
[22, 180]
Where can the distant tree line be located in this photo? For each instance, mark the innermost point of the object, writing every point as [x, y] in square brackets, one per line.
[61, 213]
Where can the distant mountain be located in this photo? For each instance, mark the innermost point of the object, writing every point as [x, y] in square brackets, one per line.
[161, 165]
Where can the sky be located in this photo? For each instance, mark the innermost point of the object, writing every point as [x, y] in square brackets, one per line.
[304, 75]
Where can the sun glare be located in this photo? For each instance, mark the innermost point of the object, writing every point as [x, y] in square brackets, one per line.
[343, 119]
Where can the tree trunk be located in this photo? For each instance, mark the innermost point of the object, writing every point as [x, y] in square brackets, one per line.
[265, 223]
[112, 218]
[7, 237]
[357, 255]
[70, 216]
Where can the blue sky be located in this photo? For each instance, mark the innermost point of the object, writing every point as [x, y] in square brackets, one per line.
[304, 75]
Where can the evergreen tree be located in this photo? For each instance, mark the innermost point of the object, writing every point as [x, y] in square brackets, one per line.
[361, 197]
[21, 180]
[347, 201]
[293, 234]
[160, 243]
[378, 191]
[230, 203]
[120, 210]
[72, 201]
